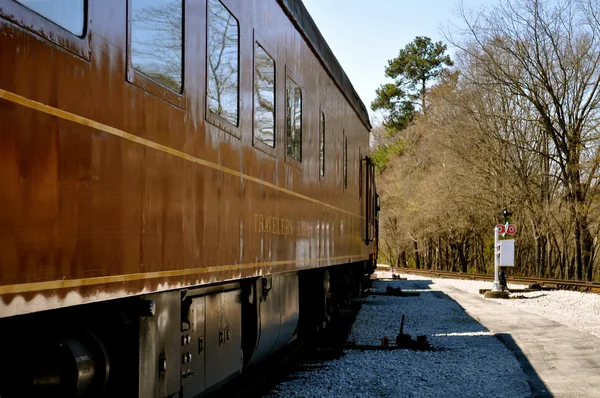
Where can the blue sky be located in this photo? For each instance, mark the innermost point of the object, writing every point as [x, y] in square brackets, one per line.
[365, 35]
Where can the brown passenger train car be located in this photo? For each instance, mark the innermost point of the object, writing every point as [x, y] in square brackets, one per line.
[184, 188]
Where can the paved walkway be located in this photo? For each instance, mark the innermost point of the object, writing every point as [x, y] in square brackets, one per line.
[559, 361]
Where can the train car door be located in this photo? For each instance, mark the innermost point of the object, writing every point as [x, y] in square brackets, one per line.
[369, 200]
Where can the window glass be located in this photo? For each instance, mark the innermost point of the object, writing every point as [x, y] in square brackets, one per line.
[322, 144]
[345, 161]
[157, 40]
[294, 120]
[264, 96]
[223, 61]
[70, 14]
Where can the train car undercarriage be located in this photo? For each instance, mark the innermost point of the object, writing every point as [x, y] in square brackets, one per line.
[180, 343]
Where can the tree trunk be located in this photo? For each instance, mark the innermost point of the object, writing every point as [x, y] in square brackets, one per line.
[540, 255]
[481, 257]
[439, 254]
[578, 251]
[588, 251]
[543, 264]
[537, 261]
[584, 243]
[462, 258]
[583, 238]
[417, 260]
[447, 259]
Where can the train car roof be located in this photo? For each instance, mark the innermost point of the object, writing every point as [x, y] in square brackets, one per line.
[306, 26]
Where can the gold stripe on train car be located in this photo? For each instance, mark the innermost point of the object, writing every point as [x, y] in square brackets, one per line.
[72, 283]
[17, 99]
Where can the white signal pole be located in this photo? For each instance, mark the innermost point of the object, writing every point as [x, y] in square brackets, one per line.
[496, 287]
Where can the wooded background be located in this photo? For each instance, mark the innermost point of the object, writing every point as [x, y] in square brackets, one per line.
[510, 122]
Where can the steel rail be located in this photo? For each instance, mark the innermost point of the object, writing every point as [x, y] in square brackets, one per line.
[560, 284]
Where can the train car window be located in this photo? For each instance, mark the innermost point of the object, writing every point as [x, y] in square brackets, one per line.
[345, 161]
[264, 96]
[223, 62]
[69, 14]
[322, 144]
[293, 120]
[157, 41]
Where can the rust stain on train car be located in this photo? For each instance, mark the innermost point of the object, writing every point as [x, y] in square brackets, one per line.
[114, 186]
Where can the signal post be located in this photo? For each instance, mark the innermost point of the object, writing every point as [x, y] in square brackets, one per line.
[504, 256]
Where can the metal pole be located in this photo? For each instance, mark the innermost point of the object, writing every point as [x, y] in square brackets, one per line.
[496, 287]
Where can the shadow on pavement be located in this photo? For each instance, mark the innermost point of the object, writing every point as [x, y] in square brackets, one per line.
[538, 388]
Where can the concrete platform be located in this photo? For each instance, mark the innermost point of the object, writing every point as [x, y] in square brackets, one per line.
[559, 361]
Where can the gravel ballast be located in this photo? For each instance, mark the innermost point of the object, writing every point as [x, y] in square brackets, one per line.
[580, 311]
[467, 360]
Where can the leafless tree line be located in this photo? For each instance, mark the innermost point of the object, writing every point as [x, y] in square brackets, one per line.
[514, 126]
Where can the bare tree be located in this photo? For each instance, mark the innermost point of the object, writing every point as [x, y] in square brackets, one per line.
[157, 41]
[223, 62]
[547, 54]
[264, 96]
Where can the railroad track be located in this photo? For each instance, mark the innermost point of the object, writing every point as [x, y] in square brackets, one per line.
[559, 284]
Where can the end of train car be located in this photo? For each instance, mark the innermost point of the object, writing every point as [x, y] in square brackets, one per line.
[186, 189]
